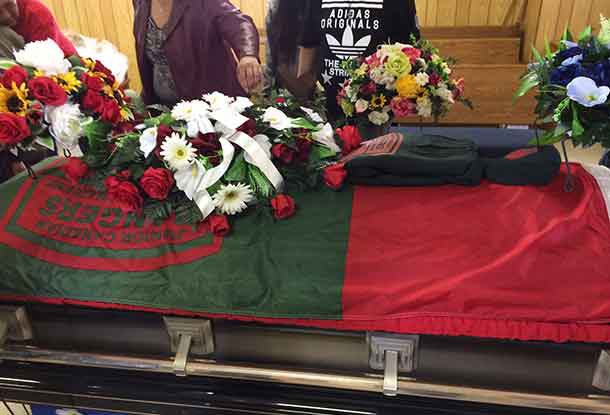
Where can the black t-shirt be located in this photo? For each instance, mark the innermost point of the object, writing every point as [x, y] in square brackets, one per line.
[352, 28]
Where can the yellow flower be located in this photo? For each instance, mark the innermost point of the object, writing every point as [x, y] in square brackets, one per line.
[398, 64]
[89, 64]
[108, 91]
[14, 100]
[378, 101]
[361, 71]
[407, 87]
[68, 81]
[126, 114]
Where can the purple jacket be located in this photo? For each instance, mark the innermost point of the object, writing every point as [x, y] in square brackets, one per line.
[201, 34]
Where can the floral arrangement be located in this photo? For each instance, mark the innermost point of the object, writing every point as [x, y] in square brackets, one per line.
[573, 85]
[399, 81]
[53, 101]
[205, 159]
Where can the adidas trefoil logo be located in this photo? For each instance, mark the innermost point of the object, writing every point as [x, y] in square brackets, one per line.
[347, 48]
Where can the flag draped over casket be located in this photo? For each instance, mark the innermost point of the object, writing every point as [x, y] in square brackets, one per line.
[527, 263]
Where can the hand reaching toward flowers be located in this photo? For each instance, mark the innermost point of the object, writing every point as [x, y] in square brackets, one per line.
[249, 73]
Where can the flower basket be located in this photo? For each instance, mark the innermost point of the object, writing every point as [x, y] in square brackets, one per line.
[396, 82]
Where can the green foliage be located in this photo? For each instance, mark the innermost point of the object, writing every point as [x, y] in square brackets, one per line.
[259, 182]
[238, 170]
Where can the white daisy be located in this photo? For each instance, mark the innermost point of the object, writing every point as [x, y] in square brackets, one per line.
[196, 114]
[233, 198]
[422, 79]
[177, 152]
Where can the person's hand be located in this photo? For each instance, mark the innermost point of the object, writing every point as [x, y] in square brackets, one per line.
[9, 13]
[249, 73]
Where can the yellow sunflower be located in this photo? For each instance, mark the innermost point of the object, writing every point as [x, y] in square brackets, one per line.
[14, 100]
[68, 81]
[378, 101]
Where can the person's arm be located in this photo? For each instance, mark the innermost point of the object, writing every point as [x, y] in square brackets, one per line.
[9, 13]
[9, 42]
[239, 31]
[36, 22]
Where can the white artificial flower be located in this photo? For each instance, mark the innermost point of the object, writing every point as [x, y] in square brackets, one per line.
[218, 101]
[379, 76]
[314, 116]
[326, 137]
[196, 113]
[422, 79]
[241, 104]
[351, 93]
[445, 94]
[148, 141]
[66, 124]
[189, 179]
[264, 142]
[177, 152]
[46, 56]
[232, 199]
[362, 105]
[379, 118]
[424, 107]
[277, 119]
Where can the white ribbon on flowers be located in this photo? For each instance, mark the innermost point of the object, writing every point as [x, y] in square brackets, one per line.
[195, 179]
[259, 158]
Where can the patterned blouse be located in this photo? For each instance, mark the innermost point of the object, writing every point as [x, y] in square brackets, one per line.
[163, 80]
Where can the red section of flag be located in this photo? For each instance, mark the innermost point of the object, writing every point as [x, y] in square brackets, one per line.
[444, 260]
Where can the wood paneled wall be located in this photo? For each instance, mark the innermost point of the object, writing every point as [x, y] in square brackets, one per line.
[113, 19]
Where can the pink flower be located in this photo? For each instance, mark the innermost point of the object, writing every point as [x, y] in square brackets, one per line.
[435, 79]
[368, 89]
[373, 61]
[413, 53]
[403, 107]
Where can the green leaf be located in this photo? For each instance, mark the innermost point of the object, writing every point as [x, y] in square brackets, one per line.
[238, 170]
[319, 152]
[96, 131]
[46, 141]
[546, 139]
[6, 64]
[537, 55]
[76, 61]
[528, 82]
[163, 119]
[547, 47]
[587, 33]
[259, 183]
[304, 123]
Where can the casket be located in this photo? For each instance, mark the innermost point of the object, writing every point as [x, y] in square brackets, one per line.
[449, 300]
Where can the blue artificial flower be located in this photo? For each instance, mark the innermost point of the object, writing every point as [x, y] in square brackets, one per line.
[569, 53]
[600, 73]
[586, 92]
[572, 61]
[563, 75]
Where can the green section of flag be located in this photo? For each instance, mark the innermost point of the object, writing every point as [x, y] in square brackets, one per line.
[287, 269]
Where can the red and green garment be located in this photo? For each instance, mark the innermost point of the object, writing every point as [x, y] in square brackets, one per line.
[528, 263]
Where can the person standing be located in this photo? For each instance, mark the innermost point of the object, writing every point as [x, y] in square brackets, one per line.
[352, 28]
[186, 48]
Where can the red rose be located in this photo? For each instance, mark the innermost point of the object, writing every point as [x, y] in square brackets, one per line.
[99, 67]
[94, 83]
[47, 91]
[111, 112]
[283, 153]
[280, 100]
[334, 176]
[219, 225]
[368, 89]
[435, 79]
[350, 138]
[207, 144]
[249, 127]
[35, 114]
[13, 129]
[413, 54]
[15, 75]
[283, 207]
[75, 169]
[93, 101]
[304, 150]
[124, 128]
[157, 183]
[125, 194]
